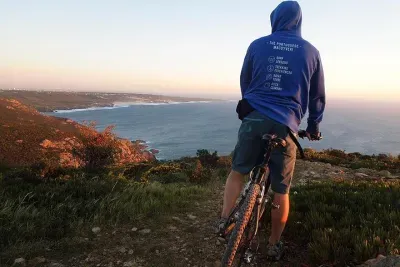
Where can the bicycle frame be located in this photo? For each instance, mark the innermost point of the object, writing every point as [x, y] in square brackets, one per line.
[260, 175]
[257, 175]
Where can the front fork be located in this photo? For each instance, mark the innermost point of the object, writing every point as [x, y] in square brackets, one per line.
[261, 202]
[234, 215]
[256, 176]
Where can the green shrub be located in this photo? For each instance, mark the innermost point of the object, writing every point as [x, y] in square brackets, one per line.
[17, 175]
[225, 161]
[99, 149]
[354, 155]
[383, 156]
[346, 223]
[135, 172]
[186, 160]
[366, 157]
[98, 156]
[223, 173]
[175, 177]
[336, 153]
[3, 168]
[206, 158]
[355, 160]
[155, 172]
[200, 174]
[47, 169]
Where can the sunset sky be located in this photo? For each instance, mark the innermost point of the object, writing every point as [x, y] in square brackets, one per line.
[189, 47]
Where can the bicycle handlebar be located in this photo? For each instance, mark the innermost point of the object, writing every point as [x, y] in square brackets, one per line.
[302, 134]
[278, 141]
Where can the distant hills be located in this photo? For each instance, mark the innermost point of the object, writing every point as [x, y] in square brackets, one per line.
[47, 101]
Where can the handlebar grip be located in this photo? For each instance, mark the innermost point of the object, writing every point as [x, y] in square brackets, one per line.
[302, 134]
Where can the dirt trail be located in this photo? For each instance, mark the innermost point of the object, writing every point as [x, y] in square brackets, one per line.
[184, 239]
[179, 240]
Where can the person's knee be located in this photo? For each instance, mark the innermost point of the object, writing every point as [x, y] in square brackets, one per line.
[280, 189]
[236, 176]
[281, 196]
[280, 207]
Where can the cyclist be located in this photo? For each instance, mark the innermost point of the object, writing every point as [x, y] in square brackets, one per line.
[282, 77]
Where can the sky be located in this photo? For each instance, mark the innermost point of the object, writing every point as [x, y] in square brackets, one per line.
[189, 47]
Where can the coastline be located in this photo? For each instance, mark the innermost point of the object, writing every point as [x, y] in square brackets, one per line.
[50, 101]
[117, 105]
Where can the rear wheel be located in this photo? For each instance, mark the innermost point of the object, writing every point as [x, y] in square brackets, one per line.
[237, 238]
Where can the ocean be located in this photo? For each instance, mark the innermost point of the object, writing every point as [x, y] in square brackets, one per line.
[180, 129]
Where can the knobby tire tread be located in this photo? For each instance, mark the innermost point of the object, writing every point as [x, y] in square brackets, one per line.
[237, 233]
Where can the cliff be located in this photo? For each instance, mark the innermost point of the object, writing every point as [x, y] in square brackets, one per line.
[28, 137]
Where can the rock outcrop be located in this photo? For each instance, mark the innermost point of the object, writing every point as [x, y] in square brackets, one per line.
[383, 261]
[28, 137]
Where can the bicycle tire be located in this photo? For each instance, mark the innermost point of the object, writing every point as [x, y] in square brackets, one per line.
[245, 213]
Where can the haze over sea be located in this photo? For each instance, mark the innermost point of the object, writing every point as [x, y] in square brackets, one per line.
[180, 129]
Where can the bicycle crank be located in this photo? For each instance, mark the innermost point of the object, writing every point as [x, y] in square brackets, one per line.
[250, 253]
[248, 257]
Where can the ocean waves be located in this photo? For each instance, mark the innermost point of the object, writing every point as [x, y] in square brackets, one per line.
[128, 104]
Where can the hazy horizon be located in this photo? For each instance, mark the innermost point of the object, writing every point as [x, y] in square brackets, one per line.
[356, 103]
[188, 49]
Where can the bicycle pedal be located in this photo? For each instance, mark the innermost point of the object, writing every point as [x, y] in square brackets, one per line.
[251, 256]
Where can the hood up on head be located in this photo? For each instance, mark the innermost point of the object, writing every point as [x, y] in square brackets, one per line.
[287, 16]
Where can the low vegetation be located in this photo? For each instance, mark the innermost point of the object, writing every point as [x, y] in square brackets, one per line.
[206, 158]
[58, 179]
[355, 160]
[73, 200]
[346, 222]
[340, 222]
[67, 205]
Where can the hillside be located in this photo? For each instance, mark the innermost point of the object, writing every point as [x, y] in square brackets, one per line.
[46, 101]
[27, 137]
[339, 217]
[106, 202]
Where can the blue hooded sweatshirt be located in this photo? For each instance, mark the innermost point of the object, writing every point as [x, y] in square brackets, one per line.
[282, 75]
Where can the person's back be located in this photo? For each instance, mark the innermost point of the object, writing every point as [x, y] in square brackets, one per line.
[280, 69]
[282, 77]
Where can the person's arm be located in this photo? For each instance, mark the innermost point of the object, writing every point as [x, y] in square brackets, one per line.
[247, 72]
[316, 99]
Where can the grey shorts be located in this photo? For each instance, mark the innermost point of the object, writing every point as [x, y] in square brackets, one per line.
[248, 151]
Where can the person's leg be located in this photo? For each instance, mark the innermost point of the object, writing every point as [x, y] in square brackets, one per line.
[279, 217]
[245, 157]
[282, 165]
[233, 187]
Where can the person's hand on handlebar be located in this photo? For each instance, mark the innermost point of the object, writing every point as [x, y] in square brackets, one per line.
[314, 137]
[310, 136]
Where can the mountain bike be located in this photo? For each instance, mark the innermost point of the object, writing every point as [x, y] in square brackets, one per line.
[242, 225]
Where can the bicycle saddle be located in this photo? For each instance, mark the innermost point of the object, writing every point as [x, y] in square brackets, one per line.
[272, 138]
